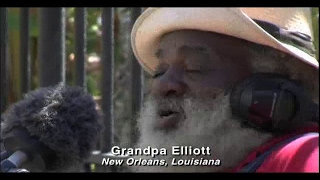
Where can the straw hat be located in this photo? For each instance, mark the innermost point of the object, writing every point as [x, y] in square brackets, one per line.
[285, 29]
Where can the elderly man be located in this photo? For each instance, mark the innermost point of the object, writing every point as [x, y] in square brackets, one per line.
[242, 82]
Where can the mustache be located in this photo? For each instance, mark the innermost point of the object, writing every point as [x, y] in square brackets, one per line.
[177, 104]
[173, 104]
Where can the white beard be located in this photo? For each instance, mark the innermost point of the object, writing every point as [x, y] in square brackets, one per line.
[208, 123]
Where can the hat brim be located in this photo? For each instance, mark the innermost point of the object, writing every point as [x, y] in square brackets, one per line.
[155, 22]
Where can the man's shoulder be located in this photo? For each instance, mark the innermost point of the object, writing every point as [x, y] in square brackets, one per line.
[300, 155]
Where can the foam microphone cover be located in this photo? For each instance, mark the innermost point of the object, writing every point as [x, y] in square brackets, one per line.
[60, 123]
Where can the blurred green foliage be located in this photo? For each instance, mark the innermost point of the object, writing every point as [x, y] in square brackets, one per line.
[93, 43]
[93, 28]
[315, 23]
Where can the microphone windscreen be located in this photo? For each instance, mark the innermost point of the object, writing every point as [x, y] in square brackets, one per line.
[64, 118]
[5, 155]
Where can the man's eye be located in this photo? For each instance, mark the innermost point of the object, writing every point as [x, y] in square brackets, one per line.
[198, 71]
[194, 69]
[157, 74]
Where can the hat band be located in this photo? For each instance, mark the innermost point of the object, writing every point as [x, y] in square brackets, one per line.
[294, 38]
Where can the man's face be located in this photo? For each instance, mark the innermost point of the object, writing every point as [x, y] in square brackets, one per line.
[188, 105]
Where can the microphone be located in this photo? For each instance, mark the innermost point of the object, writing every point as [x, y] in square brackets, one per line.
[14, 161]
[51, 129]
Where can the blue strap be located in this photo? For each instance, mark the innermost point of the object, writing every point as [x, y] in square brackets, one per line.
[253, 166]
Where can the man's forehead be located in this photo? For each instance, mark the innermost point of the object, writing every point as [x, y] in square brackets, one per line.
[199, 42]
[183, 41]
[183, 48]
[185, 37]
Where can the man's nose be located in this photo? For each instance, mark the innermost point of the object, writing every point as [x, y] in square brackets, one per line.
[169, 84]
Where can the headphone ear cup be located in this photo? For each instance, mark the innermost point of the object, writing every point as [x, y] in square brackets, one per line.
[236, 96]
[241, 99]
[272, 102]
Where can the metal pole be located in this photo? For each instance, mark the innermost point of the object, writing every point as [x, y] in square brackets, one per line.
[137, 79]
[80, 46]
[24, 50]
[107, 61]
[4, 59]
[52, 46]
